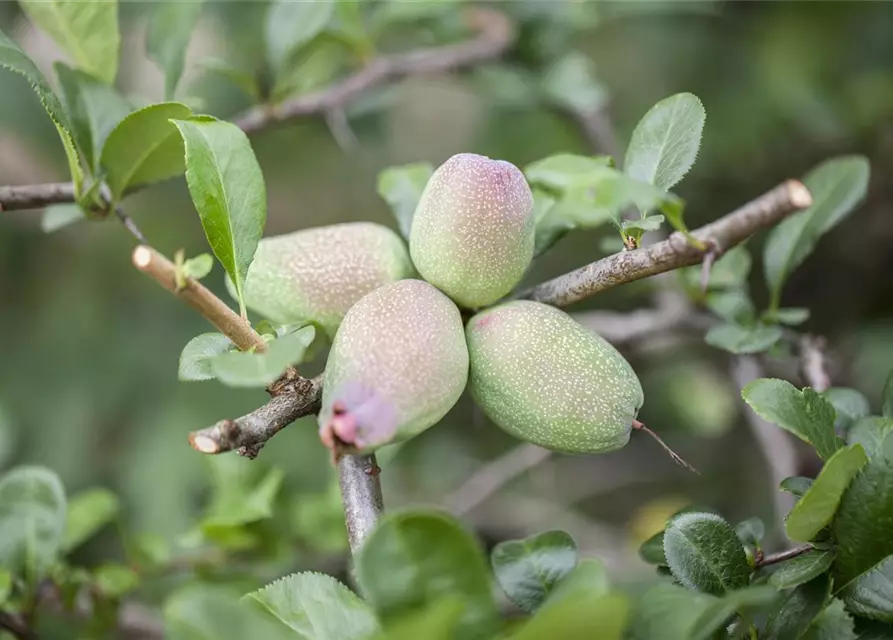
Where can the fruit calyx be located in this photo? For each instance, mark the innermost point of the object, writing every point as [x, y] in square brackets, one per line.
[360, 418]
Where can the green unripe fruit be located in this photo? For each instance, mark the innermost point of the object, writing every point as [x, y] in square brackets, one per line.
[397, 365]
[545, 379]
[317, 274]
[472, 233]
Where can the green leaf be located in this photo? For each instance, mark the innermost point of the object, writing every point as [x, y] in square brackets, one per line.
[796, 571]
[862, 528]
[243, 369]
[732, 305]
[549, 229]
[290, 25]
[57, 216]
[815, 510]
[870, 433]
[571, 83]
[240, 78]
[241, 500]
[652, 550]
[791, 316]
[227, 187]
[196, 357]
[528, 569]
[616, 192]
[149, 550]
[564, 171]
[582, 616]
[740, 339]
[805, 413]
[13, 59]
[751, 531]
[648, 223]
[849, 406]
[796, 485]
[144, 148]
[6, 584]
[87, 30]
[311, 67]
[887, 406]
[871, 594]
[589, 576]
[436, 622]
[402, 187]
[170, 28]
[115, 580]
[717, 615]
[198, 267]
[669, 612]
[317, 607]
[795, 611]
[213, 612]
[837, 187]
[833, 623]
[32, 520]
[665, 143]
[729, 272]
[94, 109]
[88, 512]
[434, 558]
[704, 553]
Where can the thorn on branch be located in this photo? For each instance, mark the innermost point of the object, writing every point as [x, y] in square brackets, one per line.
[130, 225]
[714, 252]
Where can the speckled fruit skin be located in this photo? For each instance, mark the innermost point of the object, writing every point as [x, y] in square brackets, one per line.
[406, 343]
[545, 379]
[318, 274]
[473, 230]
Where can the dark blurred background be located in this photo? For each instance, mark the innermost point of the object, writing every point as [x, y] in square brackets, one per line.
[88, 382]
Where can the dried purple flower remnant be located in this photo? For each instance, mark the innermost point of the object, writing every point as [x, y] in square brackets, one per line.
[359, 418]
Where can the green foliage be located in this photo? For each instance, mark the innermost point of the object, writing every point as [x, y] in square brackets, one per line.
[88, 512]
[437, 559]
[704, 553]
[887, 408]
[87, 30]
[291, 25]
[204, 612]
[849, 406]
[197, 355]
[316, 607]
[837, 187]
[801, 569]
[804, 413]
[585, 615]
[243, 369]
[740, 339]
[170, 29]
[795, 611]
[227, 187]
[871, 594]
[870, 433]
[58, 216]
[571, 83]
[528, 570]
[665, 143]
[401, 188]
[833, 623]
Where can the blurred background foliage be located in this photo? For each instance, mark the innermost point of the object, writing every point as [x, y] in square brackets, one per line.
[88, 381]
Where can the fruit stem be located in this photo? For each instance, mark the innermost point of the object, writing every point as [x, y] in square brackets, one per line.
[640, 426]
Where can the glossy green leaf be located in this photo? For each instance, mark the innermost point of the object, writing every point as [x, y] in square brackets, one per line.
[88, 512]
[871, 594]
[571, 83]
[196, 357]
[796, 609]
[704, 553]
[833, 623]
[170, 28]
[243, 369]
[87, 30]
[290, 25]
[228, 190]
[211, 612]
[144, 148]
[240, 78]
[837, 187]
[796, 571]
[849, 406]
[751, 531]
[861, 527]
[870, 433]
[581, 616]
[32, 520]
[94, 109]
[806, 414]
[669, 612]
[740, 339]
[317, 607]
[716, 616]
[59, 216]
[887, 400]
[815, 510]
[652, 550]
[796, 485]
[402, 187]
[528, 569]
[435, 558]
[665, 143]
[589, 576]
[115, 580]
[15, 60]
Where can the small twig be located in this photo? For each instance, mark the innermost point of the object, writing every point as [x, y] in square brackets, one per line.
[360, 484]
[640, 426]
[494, 475]
[496, 33]
[249, 433]
[781, 556]
[812, 362]
[217, 312]
[35, 196]
[131, 226]
[675, 252]
[709, 258]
